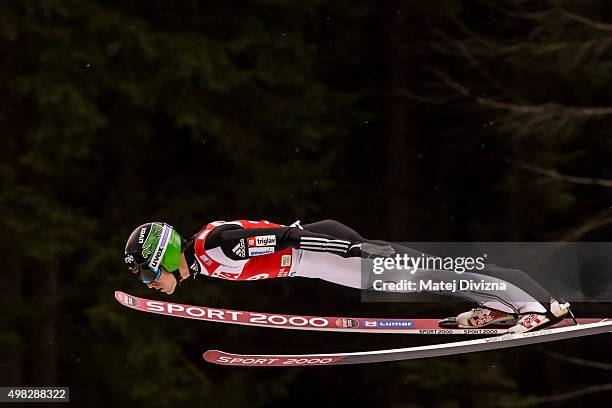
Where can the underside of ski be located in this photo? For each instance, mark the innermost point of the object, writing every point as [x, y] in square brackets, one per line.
[436, 350]
[303, 322]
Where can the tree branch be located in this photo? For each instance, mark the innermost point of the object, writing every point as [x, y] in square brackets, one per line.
[552, 173]
[464, 51]
[194, 369]
[605, 218]
[549, 108]
[575, 360]
[569, 395]
[598, 25]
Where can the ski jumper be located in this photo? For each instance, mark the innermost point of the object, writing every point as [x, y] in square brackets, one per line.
[331, 251]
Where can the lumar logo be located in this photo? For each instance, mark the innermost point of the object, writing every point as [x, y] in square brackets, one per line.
[394, 324]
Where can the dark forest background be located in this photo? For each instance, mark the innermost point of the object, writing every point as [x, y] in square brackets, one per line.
[434, 120]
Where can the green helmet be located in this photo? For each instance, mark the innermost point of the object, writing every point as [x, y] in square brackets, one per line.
[153, 246]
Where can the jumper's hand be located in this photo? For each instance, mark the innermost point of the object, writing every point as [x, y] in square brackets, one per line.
[366, 250]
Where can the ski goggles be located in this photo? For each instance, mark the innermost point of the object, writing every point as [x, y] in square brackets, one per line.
[145, 273]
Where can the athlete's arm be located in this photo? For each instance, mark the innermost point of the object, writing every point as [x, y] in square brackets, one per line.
[242, 243]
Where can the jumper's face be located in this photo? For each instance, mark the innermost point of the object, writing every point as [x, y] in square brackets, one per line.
[165, 283]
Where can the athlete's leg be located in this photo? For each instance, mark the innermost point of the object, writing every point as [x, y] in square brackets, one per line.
[339, 230]
[331, 268]
[534, 303]
[347, 272]
[523, 292]
[335, 229]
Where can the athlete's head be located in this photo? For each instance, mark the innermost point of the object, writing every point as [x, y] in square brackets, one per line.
[153, 255]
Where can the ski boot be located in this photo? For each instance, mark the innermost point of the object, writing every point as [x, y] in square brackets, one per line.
[534, 321]
[477, 318]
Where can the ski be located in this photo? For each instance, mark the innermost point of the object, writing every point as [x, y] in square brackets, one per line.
[300, 322]
[410, 353]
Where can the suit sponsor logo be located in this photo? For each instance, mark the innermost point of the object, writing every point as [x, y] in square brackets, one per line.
[286, 260]
[256, 251]
[239, 249]
[262, 240]
[231, 275]
[206, 259]
[258, 277]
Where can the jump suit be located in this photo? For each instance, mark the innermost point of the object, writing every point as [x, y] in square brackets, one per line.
[329, 250]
